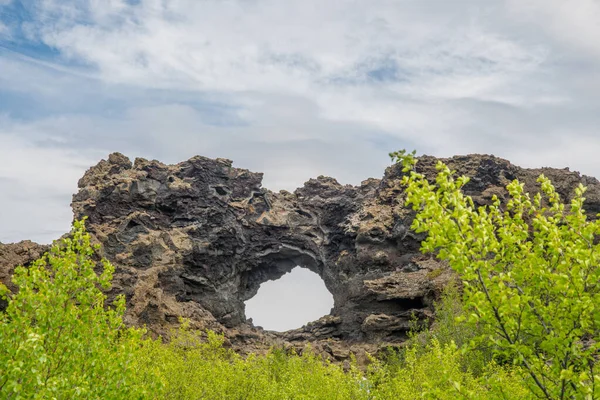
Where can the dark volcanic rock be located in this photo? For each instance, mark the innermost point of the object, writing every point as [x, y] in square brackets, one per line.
[13, 255]
[198, 238]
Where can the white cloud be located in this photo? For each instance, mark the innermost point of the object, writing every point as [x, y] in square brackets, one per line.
[42, 160]
[572, 24]
[35, 188]
[307, 87]
[323, 52]
[294, 89]
[288, 147]
[295, 47]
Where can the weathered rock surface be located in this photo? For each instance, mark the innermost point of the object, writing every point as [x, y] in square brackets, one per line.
[12, 255]
[198, 238]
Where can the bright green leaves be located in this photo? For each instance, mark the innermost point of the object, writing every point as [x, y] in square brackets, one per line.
[436, 372]
[434, 363]
[57, 338]
[193, 367]
[407, 160]
[530, 270]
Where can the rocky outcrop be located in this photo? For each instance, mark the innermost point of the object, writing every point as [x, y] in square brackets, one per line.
[13, 255]
[197, 239]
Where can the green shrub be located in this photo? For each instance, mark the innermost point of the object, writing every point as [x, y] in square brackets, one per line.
[57, 339]
[448, 328]
[530, 271]
[433, 364]
[432, 367]
[436, 371]
[190, 367]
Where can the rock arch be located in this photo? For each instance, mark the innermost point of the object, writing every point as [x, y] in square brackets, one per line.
[197, 239]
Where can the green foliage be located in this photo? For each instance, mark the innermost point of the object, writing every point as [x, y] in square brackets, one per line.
[436, 372]
[433, 365]
[190, 367]
[530, 270]
[448, 329]
[57, 339]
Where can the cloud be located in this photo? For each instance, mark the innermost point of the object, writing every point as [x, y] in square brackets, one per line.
[42, 159]
[290, 147]
[35, 188]
[572, 25]
[294, 46]
[298, 88]
[294, 89]
[389, 65]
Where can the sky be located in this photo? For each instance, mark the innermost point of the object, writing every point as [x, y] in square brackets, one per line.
[296, 298]
[294, 89]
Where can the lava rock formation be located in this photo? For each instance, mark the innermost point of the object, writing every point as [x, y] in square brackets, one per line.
[198, 238]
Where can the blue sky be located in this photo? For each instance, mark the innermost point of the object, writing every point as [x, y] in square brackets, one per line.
[294, 88]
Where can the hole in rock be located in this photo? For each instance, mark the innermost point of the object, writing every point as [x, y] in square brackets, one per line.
[290, 302]
[220, 190]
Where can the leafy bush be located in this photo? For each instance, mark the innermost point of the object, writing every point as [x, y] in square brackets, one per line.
[435, 364]
[436, 372]
[448, 328]
[57, 339]
[530, 270]
[432, 367]
[190, 367]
